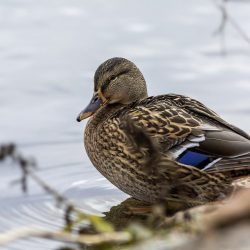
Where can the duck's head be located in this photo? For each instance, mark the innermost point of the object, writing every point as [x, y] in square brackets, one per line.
[117, 80]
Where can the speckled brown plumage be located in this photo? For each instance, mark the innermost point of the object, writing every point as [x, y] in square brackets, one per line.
[135, 140]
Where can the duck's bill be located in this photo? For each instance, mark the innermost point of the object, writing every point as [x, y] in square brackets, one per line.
[92, 107]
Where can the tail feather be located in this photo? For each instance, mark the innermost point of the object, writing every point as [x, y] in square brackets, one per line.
[233, 167]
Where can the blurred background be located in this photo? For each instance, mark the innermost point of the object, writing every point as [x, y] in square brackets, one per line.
[49, 51]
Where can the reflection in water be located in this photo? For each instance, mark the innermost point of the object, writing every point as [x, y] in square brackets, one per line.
[49, 52]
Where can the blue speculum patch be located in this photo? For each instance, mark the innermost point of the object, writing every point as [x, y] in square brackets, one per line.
[195, 159]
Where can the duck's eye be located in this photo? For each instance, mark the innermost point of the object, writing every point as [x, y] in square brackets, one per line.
[113, 78]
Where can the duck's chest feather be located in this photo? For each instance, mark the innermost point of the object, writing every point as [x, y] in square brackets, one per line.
[107, 148]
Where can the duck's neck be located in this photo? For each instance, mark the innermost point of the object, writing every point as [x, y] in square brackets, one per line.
[95, 125]
[103, 114]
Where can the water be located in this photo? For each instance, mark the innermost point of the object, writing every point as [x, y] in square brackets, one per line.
[49, 51]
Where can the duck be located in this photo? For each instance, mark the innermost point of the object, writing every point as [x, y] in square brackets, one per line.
[158, 148]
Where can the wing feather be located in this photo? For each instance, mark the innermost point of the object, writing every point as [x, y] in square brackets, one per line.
[200, 109]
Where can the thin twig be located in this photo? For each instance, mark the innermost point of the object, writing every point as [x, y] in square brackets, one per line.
[27, 168]
[226, 18]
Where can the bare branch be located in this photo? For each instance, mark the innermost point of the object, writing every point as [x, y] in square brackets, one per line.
[226, 18]
[89, 240]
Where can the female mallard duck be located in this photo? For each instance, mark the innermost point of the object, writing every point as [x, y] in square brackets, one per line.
[161, 147]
